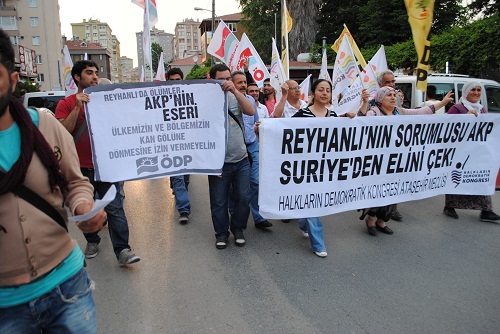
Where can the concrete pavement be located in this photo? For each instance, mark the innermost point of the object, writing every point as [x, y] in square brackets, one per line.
[434, 275]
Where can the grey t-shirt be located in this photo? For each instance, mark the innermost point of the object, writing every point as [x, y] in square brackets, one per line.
[236, 149]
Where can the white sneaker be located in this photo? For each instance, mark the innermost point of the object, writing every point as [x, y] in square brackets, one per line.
[305, 234]
[321, 254]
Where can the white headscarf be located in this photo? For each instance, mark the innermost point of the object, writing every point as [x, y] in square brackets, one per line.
[465, 91]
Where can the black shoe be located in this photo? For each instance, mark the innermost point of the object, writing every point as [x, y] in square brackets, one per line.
[384, 229]
[489, 216]
[221, 242]
[371, 229]
[395, 215]
[239, 239]
[263, 224]
[286, 221]
[184, 218]
[450, 212]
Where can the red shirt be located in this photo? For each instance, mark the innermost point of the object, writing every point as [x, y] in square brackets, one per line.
[270, 106]
[64, 108]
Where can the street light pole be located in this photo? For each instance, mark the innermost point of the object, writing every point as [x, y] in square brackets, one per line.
[213, 25]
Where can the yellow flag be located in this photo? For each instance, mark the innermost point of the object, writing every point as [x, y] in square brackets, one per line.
[355, 49]
[286, 26]
[420, 13]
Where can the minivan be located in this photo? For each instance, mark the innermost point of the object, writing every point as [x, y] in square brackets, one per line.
[490, 97]
[47, 100]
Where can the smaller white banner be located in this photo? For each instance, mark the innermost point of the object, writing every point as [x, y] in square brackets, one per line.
[157, 129]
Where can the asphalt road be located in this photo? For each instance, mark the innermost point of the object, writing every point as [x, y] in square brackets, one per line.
[434, 275]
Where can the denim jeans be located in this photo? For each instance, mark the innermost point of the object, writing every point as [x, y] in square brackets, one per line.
[117, 221]
[253, 149]
[69, 308]
[314, 227]
[179, 186]
[236, 175]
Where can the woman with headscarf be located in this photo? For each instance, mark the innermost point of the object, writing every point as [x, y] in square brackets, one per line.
[469, 103]
[385, 105]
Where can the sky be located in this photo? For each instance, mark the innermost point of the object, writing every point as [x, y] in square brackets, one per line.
[126, 18]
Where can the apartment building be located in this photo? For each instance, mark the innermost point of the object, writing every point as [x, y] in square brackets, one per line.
[231, 20]
[34, 27]
[95, 52]
[95, 31]
[127, 69]
[187, 38]
[166, 41]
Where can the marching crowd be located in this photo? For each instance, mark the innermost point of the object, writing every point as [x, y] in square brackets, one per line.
[46, 169]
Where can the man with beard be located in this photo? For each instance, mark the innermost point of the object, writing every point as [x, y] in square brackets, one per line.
[43, 283]
[269, 96]
[71, 114]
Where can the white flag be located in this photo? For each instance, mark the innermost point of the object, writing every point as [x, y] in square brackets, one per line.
[323, 73]
[305, 87]
[223, 44]
[345, 69]
[160, 73]
[143, 77]
[256, 66]
[146, 38]
[350, 99]
[277, 74]
[69, 83]
[369, 75]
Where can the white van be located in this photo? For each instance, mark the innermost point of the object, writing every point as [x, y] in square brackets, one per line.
[47, 100]
[490, 97]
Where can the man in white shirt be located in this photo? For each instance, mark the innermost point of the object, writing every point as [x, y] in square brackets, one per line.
[290, 101]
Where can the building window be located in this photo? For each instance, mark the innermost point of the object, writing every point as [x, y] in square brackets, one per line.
[41, 77]
[102, 34]
[189, 40]
[195, 48]
[38, 59]
[100, 57]
[35, 40]
[102, 27]
[94, 27]
[195, 41]
[181, 33]
[8, 22]
[188, 34]
[94, 34]
[87, 35]
[87, 28]
[195, 34]
[101, 69]
[181, 26]
[14, 40]
[104, 42]
[231, 26]
[182, 40]
[34, 21]
[33, 3]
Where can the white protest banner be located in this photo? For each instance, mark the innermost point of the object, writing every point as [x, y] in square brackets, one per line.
[313, 167]
[256, 66]
[305, 88]
[157, 129]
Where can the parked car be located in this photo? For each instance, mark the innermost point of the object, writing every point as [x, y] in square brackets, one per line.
[490, 98]
[47, 100]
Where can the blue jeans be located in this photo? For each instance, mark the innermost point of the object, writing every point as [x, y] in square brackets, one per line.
[236, 175]
[117, 221]
[179, 186]
[314, 227]
[253, 149]
[69, 308]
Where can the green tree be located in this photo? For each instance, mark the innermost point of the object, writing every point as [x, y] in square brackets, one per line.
[259, 21]
[156, 51]
[198, 72]
[28, 85]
